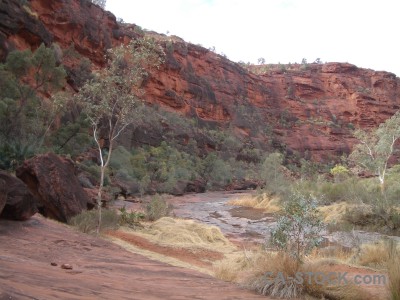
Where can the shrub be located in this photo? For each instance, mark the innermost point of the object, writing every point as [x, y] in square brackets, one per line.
[157, 208]
[130, 218]
[339, 172]
[299, 228]
[13, 154]
[272, 174]
[87, 220]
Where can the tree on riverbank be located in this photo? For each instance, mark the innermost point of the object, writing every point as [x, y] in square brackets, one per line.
[377, 147]
[113, 99]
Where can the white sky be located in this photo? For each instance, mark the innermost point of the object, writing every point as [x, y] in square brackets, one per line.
[361, 32]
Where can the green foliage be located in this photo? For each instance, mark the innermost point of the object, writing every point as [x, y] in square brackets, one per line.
[308, 168]
[87, 220]
[376, 147]
[113, 97]
[339, 172]
[216, 171]
[72, 137]
[25, 116]
[130, 218]
[12, 154]
[94, 170]
[299, 229]
[157, 208]
[272, 174]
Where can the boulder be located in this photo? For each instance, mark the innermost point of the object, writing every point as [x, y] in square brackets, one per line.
[3, 195]
[52, 179]
[242, 185]
[16, 201]
[196, 186]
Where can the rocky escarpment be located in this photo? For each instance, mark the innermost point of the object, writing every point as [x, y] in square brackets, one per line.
[307, 110]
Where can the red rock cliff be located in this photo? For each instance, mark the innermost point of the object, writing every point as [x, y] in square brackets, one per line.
[309, 109]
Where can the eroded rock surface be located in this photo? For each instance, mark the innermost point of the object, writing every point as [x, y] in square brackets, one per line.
[100, 269]
[16, 201]
[53, 181]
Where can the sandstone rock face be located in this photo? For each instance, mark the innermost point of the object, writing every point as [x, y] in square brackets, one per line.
[306, 109]
[309, 111]
[16, 201]
[52, 179]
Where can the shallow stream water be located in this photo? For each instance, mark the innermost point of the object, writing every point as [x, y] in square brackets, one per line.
[244, 224]
[249, 224]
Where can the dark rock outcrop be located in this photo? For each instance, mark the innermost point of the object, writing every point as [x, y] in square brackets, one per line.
[3, 194]
[16, 201]
[53, 180]
[196, 186]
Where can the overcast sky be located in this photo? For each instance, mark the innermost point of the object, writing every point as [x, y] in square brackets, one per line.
[361, 32]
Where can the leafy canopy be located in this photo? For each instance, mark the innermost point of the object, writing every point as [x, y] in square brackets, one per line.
[27, 79]
[376, 147]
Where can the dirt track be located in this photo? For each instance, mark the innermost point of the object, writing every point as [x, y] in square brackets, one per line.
[101, 270]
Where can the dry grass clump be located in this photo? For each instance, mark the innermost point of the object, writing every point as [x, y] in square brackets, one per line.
[262, 201]
[236, 266]
[374, 255]
[87, 220]
[394, 271]
[330, 290]
[258, 270]
[277, 277]
[247, 201]
[186, 234]
[334, 212]
[336, 253]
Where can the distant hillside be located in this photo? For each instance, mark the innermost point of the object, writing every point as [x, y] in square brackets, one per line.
[307, 110]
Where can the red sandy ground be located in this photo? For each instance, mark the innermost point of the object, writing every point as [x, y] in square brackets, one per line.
[199, 257]
[101, 269]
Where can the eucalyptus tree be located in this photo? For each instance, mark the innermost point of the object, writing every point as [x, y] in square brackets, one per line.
[376, 147]
[112, 100]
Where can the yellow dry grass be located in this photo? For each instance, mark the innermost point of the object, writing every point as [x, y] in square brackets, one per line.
[374, 255]
[236, 266]
[181, 233]
[394, 276]
[157, 256]
[325, 290]
[249, 268]
[333, 213]
[262, 201]
[335, 253]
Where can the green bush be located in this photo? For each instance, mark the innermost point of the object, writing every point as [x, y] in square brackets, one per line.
[299, 229]
[94, 170]
[72, 137]
[273, 175]
[157, 208]
[130, 218]
[87, 220]
[13, 154]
